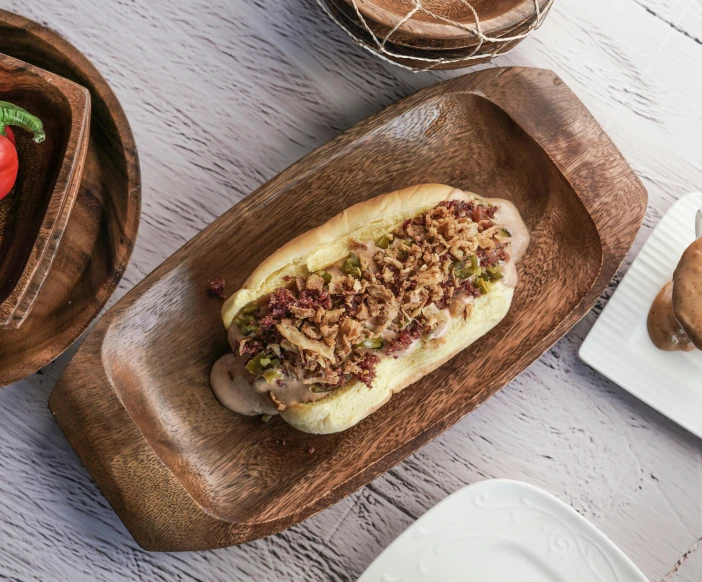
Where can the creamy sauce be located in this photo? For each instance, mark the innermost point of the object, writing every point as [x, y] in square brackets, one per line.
[509, 272]
[231, 387]
[291, 393]
[665, 330]
[335, 270]
[368, 251]
[687, 292]
[231, 383]
[507, 215]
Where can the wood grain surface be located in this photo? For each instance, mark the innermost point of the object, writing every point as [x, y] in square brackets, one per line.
[98, 238]
[138, 389]
[214, 118]
[34, 216]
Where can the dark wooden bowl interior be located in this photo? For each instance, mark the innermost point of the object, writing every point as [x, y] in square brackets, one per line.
[99, 237]
[158, 351]
[22, 211]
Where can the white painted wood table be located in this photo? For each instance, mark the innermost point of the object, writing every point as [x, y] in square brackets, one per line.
[222, 95]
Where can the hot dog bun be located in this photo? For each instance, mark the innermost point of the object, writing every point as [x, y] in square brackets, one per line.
[330, 243]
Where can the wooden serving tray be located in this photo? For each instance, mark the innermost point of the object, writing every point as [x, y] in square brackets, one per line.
[183, 472]
[99, 237]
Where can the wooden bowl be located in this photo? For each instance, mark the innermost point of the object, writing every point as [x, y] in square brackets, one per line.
[100, 235]
[34, 215]
[411, 57]
[185, 473]
[418, 43]
[495, 16]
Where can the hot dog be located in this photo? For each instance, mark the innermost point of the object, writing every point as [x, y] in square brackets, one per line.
[339, 319]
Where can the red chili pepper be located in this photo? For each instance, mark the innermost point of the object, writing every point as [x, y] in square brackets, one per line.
[11, 136]
[9, 163]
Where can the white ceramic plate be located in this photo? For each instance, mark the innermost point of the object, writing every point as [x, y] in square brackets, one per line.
[618, 345]
[502, 531]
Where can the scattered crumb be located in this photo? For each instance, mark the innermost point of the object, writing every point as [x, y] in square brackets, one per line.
[216, 287]
[310, 451]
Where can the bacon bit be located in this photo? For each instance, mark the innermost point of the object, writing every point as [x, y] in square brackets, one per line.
[216, 287]
[368, 365]
[250, 346]
[310, 451]
[470, 289]
[314, 298]
[267, 322]
[404, 338]
[279, 302]
[491, 257]
[484, 213]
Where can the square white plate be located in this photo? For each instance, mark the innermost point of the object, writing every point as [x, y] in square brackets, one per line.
[618, 345]
[502, 531]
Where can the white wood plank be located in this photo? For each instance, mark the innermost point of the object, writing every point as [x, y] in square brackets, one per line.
[222, 96]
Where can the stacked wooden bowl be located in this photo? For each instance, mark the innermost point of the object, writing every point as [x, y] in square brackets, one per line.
[437, 34]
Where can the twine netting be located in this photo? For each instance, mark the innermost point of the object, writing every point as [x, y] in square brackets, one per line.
[378, 46]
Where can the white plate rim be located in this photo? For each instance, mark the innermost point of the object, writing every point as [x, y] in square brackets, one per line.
[605, 544]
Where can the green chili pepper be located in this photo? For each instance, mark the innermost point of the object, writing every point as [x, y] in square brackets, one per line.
[352, 266]
[505, 232]
[467, 268]
[250, 308]
[384, 241]
[243, 319]
[317, 388]
[272, 375]
[244, 323]
[494, 273]
[463, 270]
[483, 285]
[326, 276]
[475, 264]
[371, 343]
[11, 114]
[249, 328]
[254, 364]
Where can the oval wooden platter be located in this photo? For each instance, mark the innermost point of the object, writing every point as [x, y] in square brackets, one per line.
[184, 473]
[98, 239]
